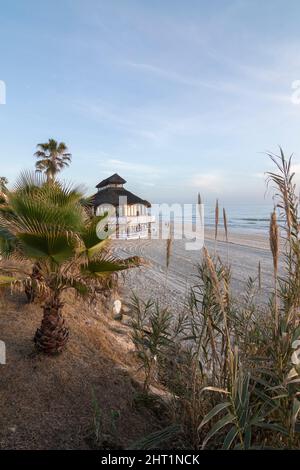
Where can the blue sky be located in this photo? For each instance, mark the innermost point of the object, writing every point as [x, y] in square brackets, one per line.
[176, 96]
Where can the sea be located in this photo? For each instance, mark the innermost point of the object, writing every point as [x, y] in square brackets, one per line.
[240, 217]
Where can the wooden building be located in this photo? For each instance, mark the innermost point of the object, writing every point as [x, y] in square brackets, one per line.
[128, 214]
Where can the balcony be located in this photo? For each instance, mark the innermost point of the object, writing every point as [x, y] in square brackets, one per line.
[132, 220]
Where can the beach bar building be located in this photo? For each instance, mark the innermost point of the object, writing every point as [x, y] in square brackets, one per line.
[129, 215]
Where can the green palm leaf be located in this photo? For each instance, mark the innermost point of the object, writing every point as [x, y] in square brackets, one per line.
[7, 242]
[90, 237]
[107, 266]
[59, 246]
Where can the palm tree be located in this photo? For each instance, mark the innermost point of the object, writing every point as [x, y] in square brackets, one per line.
[3, 189]
[47, 224]
[3, 184]
[52, 158]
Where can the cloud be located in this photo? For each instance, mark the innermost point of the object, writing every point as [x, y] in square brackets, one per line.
[170, 75]
[196, 94]
[296, 169]
[138, 170]
[259, 175]
[132, 167]
[207, 181]
[126, 120]
[234, 86]
[233, 186]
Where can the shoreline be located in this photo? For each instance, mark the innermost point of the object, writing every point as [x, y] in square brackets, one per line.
[244, 251]
[248, 239]
[244, 237]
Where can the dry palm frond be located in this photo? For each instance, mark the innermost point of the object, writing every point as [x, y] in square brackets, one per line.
[3, 197]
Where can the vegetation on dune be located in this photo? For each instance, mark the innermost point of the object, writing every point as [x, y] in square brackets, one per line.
[228, 369]
[45, 223]
[233, 366]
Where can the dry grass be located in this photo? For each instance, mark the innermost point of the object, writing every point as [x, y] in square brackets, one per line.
[46, 402]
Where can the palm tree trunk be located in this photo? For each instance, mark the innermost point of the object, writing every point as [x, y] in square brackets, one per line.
[52, 336]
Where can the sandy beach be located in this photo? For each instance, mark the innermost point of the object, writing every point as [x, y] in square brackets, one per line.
[244, 251]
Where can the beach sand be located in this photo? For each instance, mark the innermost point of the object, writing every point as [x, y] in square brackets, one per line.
[244, 251]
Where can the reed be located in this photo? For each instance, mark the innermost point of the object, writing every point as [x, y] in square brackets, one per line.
[225, 224]
[150, 334]
[234, 371]
[199, 199]
[221, 298]
[274, 241]
[216, 219]
[169, 249]
[214, 277]
[274, 245]
[226, 233]
[259, 275]
[169, 244]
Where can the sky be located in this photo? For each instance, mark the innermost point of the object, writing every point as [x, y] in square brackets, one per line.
[175, 96]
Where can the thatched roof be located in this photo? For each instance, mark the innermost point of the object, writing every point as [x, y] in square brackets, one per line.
[112, 195]
[113, 179]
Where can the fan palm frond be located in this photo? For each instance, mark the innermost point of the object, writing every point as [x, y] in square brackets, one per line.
[107, 264]
[46, 223]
